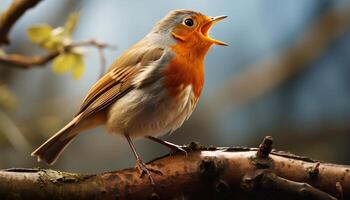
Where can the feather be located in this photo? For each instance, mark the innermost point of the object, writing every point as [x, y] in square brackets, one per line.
[118, 80]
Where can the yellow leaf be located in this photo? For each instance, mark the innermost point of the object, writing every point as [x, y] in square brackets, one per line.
[71, 23]
[79, 67]
[39, 33]
[69, 61]
[55, 40]
[63, 63]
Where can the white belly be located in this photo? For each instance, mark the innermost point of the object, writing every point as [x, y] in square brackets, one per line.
[150, 111]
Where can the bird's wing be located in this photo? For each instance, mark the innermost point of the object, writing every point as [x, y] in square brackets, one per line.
[119, 80]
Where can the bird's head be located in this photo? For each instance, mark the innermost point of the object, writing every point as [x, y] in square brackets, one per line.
[189, 28]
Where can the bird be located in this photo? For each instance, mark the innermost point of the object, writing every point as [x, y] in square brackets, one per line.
[149, 90]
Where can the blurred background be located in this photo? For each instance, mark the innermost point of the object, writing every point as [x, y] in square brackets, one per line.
[285, 73]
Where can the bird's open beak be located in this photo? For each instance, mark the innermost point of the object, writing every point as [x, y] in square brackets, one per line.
[206, 27]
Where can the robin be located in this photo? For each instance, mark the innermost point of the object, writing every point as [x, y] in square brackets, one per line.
[150, 90]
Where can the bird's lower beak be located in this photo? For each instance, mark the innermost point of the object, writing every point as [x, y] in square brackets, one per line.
[206, 27]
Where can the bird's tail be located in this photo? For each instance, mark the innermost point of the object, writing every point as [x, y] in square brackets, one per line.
[53, 147]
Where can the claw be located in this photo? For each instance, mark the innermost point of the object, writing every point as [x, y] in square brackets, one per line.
[140, 165]
[144, 170]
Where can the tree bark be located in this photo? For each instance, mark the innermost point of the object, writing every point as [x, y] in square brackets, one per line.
[205, 173]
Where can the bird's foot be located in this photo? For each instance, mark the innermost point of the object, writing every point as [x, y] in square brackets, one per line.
[144, 170]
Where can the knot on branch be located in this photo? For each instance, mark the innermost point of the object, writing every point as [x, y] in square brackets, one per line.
[211, 168]
[250, 181]
[261, 158]
[265, 147]
[314, 171]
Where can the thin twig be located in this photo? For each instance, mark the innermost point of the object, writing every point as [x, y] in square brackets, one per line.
[92, 42]
[100, 47]
[9, 18]
[27, 62]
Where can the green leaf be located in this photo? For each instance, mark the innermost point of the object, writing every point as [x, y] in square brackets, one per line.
[63, 63]
[71, 22]
[39, 33]
[79, 67]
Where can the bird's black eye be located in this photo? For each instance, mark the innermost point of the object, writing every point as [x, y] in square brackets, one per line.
[189, 22]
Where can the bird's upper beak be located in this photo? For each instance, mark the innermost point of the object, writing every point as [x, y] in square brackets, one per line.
[206, 27]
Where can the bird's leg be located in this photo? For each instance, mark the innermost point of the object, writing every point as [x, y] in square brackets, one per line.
[174, 147]
[140, 164]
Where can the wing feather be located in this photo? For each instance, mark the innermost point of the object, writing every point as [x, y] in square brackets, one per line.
[117, 81]
[100, 86]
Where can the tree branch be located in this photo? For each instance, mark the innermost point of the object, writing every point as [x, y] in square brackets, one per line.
[27, 62]
[9, 18]
[11, 15]
[206, 173]
[100, 47]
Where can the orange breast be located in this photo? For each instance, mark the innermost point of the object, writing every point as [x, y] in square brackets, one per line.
[186, 68]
